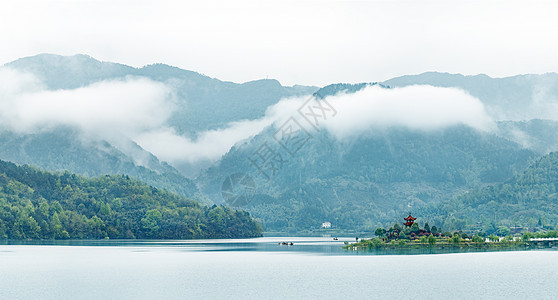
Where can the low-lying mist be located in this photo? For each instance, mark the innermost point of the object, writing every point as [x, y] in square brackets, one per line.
[137, 109]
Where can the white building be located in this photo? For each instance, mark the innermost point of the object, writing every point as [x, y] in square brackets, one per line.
[326, 225]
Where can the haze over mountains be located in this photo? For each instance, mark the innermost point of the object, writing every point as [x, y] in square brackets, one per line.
[376, 150]
[517, 98]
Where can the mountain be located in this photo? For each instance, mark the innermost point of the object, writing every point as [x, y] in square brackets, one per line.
[368, 180]
[204, 103]
[40, 205]
[516, 98]
[538, 135]
[359, 182]
[65, 149]
[524, 200]
[69, 72]
[347, 88]
[526, 106]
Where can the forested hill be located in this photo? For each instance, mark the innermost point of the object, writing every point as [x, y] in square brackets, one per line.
[525, 200]
[368, 181]
[36, 204]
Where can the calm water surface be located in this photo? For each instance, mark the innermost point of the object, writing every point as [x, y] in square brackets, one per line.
[262, 269]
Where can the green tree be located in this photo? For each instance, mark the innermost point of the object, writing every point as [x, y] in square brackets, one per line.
[380, 232]
[150, 223]
[456, 239]
[32, 228]
[377, 243]
[427, 227]
[57, 229]
[43, 210]
[508, 238]
[415, 228]
[41, 205]
[434, 229]
[104, 210]
[494, 238]
[503, 230]
[477, 239]
[431, 239]
[97, 226]
[56, 207]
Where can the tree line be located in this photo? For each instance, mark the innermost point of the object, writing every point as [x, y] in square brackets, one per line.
[35, 204]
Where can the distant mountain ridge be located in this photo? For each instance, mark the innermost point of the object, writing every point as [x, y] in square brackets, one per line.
[358, 183]
[204, 103]
[347, 88]
[69, 72]
[525, 106]
[515, 98]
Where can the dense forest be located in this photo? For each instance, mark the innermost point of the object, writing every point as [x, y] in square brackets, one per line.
[526, 200]
[35, 204]
[370, 181]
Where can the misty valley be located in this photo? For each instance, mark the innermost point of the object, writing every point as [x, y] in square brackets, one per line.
[278, 149]
[464, 153]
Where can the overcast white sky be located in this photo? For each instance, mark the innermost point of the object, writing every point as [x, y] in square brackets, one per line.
[296, 42]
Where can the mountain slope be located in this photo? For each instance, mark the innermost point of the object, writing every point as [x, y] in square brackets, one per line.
[521, 97]
[501, 95]
[366, 181]
[64, 149]
[203, 103]
[69, 72]
[521, 201]
[41, 205]
[538, 135]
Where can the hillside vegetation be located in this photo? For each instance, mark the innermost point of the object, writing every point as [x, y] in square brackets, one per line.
[366, 182]
[36, 204]
[529, 199]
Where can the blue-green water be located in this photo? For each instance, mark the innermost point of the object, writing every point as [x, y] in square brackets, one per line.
[261, 269]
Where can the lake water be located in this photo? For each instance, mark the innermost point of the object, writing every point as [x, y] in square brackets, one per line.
[261, 269]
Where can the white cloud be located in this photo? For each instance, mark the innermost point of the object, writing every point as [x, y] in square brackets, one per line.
[137, 109]
[118, 111]
[373, 108]
[419, 107]
[207, 147]
[106, 108]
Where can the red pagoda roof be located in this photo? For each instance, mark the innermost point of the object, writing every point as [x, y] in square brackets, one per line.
[409, 218]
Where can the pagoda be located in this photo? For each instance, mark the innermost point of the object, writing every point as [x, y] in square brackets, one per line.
[410, 220]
